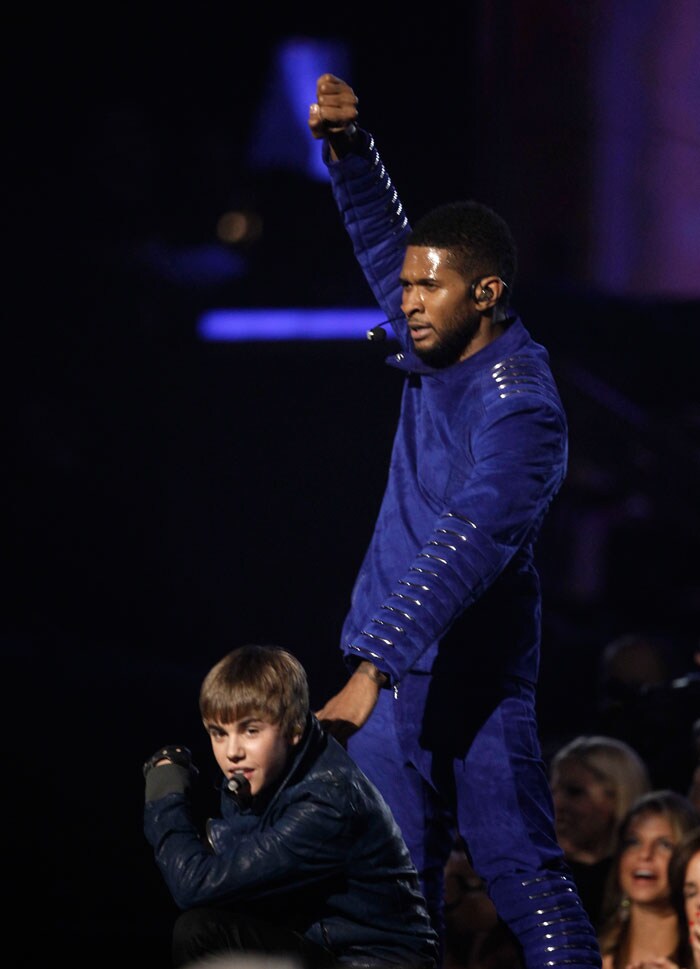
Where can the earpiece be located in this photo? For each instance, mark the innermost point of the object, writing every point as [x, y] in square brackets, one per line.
[485, 292]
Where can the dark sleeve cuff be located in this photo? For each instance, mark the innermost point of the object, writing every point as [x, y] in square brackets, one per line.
[358, 146]
[168, 779]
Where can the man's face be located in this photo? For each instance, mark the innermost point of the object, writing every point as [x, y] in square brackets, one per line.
[253, 747]
[442, 317]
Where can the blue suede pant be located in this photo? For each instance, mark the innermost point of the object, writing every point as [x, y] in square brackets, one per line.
[451, 759]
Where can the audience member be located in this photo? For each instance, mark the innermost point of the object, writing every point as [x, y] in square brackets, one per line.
[249, 961]
[694, 789]
[641, 925]
[306, 860]
[684, 881]
[646, 699]
[630, 663]
[594, 781]
[475, 937]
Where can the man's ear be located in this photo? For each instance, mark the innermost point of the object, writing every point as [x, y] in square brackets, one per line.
[487, 292]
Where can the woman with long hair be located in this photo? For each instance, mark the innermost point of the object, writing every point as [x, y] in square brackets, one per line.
[594, 780]
[684, 881]
[640, 923]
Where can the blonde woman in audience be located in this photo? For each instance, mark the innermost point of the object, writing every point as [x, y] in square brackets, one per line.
[594, 781]
[641, 927]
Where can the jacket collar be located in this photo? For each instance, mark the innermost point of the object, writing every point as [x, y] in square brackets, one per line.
[508, 342]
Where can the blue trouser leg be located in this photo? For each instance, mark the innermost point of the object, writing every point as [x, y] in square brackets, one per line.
[427, 827]
[442, 749]
[506, 816]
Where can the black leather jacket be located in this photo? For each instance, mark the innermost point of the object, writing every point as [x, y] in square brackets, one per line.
[320, 853]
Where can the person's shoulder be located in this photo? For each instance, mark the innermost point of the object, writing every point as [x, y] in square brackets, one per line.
[333, 786]
[333, 768]
[323, 780]
[335, 762]
[329, 765]
[517, 374]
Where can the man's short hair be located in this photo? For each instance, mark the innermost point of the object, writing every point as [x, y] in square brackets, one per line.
[257, 681]
[479, 239]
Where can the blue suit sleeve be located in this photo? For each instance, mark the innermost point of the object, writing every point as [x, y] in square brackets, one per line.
[375, 220]
[499, 506]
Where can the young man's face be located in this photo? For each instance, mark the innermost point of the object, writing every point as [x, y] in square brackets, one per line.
[253, 747]
[442, 317]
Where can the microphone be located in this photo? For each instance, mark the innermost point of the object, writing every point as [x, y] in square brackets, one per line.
[378, 334]
[239, 788]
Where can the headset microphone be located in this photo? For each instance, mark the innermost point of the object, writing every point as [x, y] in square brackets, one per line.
[377, 334]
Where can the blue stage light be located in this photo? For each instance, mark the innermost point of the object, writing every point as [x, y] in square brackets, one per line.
[250, 325]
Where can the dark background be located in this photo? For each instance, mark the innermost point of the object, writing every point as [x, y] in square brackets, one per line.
[168, 498]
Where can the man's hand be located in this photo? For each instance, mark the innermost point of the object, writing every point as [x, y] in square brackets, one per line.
[334, 113]
[347, 711]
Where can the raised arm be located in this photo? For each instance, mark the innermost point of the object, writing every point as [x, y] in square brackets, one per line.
[364, 194]
[333, 115]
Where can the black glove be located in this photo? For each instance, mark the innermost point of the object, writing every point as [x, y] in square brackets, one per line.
[175, 777]
[176, 754]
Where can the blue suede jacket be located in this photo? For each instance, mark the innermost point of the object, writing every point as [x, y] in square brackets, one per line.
[448, 582]
[320, 853]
